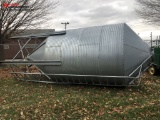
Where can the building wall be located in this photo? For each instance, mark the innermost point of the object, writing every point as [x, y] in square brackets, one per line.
[11, 48]
[1, 52]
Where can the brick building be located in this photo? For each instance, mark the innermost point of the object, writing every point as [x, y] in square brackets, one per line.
[12, 46]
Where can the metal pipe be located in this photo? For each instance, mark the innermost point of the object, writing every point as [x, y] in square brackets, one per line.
[43, 73]
[74, 75]
[151, 40]
[21, 49]
[61, 83]
[140, 66]
[25, 47]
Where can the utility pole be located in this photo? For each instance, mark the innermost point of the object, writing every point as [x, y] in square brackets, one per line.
[158, 40]
[151, 40]
[66, 23]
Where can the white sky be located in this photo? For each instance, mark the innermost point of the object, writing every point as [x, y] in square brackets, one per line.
[84, 13]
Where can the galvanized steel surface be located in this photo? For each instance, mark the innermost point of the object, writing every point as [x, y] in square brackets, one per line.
[135, 50]
[111, 50]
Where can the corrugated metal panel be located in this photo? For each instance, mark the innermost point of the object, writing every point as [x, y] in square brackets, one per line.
[90, 36]
[53, 53]
[39, 54]
[111, 50]
[102, 50]
[70, 50]
[135, 50]
[88, 59]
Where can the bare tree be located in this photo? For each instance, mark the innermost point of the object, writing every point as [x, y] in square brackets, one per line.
[21, 14]
[149, 11]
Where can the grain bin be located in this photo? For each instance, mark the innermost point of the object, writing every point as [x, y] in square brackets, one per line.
[89, 55]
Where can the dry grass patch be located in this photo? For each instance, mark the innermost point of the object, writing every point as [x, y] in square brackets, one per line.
[24, 100]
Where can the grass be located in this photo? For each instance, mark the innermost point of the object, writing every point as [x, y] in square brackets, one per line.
[26, 100]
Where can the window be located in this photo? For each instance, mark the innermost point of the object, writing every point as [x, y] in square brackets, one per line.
[6, 47]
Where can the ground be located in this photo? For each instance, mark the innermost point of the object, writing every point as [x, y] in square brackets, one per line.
[26, 100]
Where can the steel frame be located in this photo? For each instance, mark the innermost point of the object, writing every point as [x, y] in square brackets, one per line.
[139, 69]
[28, 75]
